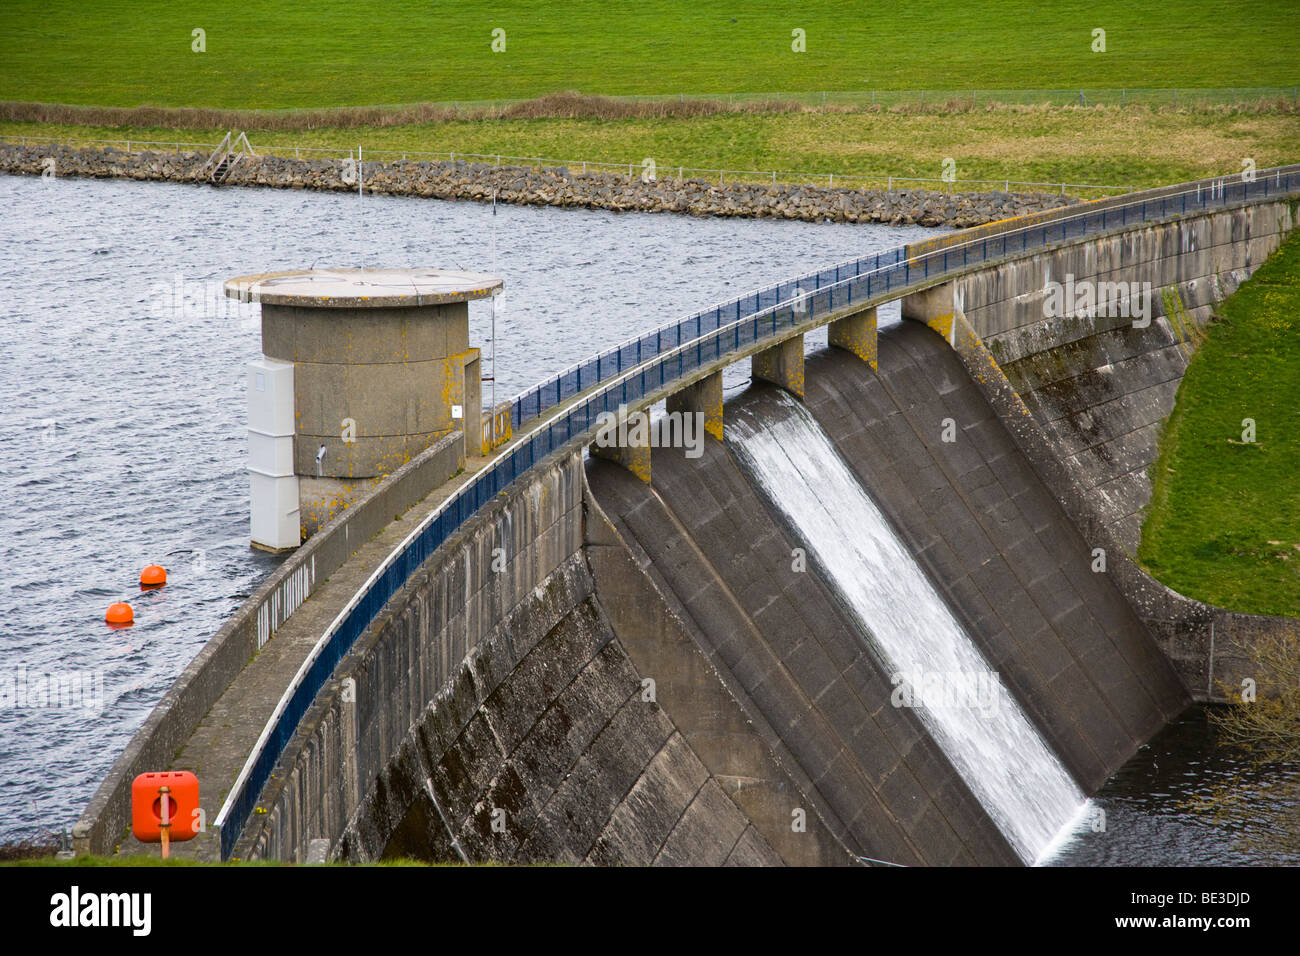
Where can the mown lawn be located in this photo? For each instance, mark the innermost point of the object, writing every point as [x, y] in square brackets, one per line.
[267, 53]
[1224, 521]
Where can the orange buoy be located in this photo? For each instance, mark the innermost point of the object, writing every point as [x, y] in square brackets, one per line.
[119, 614]
[153, 576]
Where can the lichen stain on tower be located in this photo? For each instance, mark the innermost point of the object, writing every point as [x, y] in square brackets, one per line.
[386, 348]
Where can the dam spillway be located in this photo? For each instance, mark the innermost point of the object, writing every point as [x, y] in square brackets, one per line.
[974, 525]
[967, 709]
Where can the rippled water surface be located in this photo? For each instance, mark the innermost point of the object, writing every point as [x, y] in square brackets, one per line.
[1183, 800]
[122, 440]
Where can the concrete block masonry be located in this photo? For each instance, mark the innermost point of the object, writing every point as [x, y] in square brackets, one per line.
[1101, 385]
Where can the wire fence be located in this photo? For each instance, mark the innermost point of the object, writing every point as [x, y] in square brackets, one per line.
[625, 385]
[646, 169]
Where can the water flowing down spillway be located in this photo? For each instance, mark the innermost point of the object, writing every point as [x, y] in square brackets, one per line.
[936, 667]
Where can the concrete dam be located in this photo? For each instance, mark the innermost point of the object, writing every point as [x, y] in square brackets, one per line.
[883, 612]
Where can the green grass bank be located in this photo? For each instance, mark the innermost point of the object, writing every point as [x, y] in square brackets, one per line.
[270, 54]
[1223, 524]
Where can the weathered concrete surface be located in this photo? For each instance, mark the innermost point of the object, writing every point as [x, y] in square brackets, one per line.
[1209, 647]
[541, 742]
[545, 748]
[998, 546]
[805, 677]
[782, 364]
[382, 369]
[107, 817]
[395, 372]
[635, 458]
[696, 699]
[1086, 397]
[856, 334]
[1102, 385]
[494, 715]
[410, 651]
[703, 398]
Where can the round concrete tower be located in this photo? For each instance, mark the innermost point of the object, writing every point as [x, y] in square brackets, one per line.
[361, 371]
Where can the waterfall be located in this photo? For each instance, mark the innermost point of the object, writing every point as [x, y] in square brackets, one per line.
[936, 668]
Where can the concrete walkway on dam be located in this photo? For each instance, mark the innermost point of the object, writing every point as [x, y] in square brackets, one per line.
[223, 740]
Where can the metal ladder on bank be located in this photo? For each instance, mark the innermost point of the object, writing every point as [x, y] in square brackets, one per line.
[226, 155]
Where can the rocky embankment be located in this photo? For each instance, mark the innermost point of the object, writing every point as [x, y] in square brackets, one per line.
[546, 186]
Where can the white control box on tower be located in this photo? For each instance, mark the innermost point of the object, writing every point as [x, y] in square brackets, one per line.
[273, 485]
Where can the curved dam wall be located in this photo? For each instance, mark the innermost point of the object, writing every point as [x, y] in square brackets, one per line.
[784, 646]
[1102, 385]
[602, 669]
[1085, 397]
[1000, 547]
[990, 535]
[551, 709]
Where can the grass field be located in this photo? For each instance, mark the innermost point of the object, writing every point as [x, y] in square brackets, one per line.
[1224, 521]
[267, 53]
[1108, 146]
